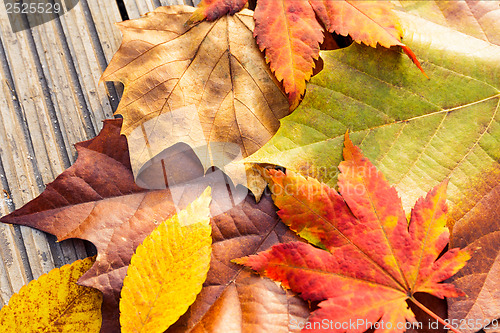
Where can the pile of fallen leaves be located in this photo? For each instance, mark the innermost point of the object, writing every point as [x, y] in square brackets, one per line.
[207, 115]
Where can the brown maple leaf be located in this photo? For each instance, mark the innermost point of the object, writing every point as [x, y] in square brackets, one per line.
[96, 199]
[206, 85]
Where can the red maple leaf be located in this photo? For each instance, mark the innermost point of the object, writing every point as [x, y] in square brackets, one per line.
[372, 259]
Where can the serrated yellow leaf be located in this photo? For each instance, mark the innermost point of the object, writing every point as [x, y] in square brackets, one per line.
[55, 303]
[168, 270]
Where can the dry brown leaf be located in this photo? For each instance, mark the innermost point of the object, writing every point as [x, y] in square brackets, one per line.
[96, 199]
[234, 299]
[206, 85]
[478, 228]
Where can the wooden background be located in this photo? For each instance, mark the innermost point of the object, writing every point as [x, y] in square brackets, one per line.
[49, 100]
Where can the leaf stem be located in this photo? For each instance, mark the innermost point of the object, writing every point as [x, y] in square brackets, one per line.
[433, 315]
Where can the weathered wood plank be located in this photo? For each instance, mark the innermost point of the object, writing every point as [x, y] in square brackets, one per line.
[104, 15]
[25, 115]
[136, 8]
[13, 270]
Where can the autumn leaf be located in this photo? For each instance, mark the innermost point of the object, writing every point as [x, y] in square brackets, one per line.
[479, 229]
[416, 131]
[367, 22]
[426, 323]
[96, 199]
[374, 260]
[55, 303]
[290, 33]
[207, 86]
[474, 215]
[167, 270]
[101, 178]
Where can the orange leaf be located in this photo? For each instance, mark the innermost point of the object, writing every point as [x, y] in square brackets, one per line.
[375, 261]
[368, 22]
[290, 34]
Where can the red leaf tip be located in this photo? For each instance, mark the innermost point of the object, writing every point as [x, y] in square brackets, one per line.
[351, 151]
[413, 58]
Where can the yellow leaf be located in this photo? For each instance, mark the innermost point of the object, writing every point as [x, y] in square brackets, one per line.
[168, 270]
[55, 303]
